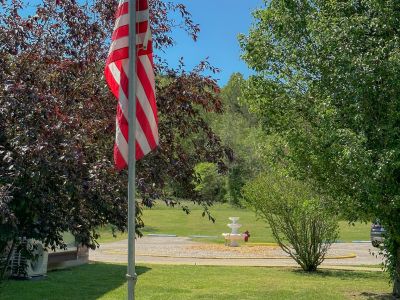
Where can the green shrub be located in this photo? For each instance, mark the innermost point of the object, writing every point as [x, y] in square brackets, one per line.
[300, 222]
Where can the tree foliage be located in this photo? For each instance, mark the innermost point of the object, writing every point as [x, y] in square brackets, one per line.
[240, 131]
[209, 183]
[327, 82]
[57, 120]
[301, 222]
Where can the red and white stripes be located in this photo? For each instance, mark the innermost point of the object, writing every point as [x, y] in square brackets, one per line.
[117, 76]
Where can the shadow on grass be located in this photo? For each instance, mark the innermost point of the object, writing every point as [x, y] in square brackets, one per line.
[340, 274]
[87, 282]
[150, 229]
[373, 296]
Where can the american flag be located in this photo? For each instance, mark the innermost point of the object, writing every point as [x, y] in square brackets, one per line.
[117, 77]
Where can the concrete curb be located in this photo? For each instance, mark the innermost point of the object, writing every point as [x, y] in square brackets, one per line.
[333, 267]
[350, 255]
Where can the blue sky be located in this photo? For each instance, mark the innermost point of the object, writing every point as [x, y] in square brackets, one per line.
[220, 23]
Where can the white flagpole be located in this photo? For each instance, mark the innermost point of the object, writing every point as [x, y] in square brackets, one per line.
[131, 272]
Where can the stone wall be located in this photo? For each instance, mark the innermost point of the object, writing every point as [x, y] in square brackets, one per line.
[74, 256]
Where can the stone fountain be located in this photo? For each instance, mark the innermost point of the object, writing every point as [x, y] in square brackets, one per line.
[231, 239]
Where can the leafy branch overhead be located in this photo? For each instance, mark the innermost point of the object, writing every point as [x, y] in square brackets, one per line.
[57, 120]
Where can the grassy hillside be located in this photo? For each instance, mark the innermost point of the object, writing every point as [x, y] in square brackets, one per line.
[167, 220]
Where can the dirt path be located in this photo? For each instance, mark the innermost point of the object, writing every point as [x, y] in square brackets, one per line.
[180, 250]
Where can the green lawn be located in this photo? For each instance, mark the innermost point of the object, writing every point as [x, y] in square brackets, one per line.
[166, 220]
[107, 281]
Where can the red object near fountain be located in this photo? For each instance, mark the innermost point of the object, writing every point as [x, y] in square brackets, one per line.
[246, 235]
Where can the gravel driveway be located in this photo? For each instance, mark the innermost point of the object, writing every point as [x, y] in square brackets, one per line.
[182, 250]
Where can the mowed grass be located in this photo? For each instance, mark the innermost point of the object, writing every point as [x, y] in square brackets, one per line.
[167, 220]
[107, 282]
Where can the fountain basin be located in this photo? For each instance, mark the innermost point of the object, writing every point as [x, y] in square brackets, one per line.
[236, 226]
[232, 238]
